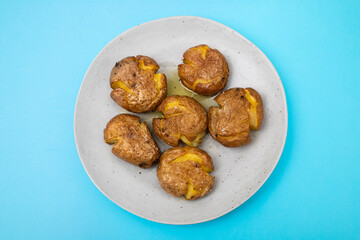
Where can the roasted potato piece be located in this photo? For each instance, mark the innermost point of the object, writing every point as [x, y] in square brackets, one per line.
[204, 70]
[136, 85]
[229, 124]
[184, 119]
[132, 140]
[184, 171]
[241, 109]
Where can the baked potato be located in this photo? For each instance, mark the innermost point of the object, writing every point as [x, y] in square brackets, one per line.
[184, 119]
[240, 110]
[132, 140]
[136, 85]
[204, 70]
[184, 171]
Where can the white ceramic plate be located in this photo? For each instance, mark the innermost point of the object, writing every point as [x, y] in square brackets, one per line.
[239, 172]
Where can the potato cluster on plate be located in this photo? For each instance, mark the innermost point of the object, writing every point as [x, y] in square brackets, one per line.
[182, 171]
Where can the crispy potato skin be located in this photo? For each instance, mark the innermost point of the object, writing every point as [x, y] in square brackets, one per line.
[132, 141]
[204, 70]
[175, 177]
[139, 91]
[186, 118]
[230, 124]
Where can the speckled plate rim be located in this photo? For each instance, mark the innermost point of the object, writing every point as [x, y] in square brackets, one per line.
[234, 32]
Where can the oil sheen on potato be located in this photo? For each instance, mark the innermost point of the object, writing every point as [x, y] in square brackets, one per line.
[175, 87]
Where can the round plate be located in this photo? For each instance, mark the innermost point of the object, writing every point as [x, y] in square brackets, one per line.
[239, 172]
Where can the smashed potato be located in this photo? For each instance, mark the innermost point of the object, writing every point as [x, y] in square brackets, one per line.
[136, 85]
[184, 119]
[184, 171]
[132, 140]
[241, 110]
[204, 70]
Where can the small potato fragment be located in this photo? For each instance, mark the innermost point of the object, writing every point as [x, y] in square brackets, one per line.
[132, 140]
[136, 85]
[184, 171]
[184, 119]
[204, 70]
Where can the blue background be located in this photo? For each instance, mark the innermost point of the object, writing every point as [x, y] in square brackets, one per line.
[46, 48]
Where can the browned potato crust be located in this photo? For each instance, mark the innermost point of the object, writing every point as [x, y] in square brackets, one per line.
[132, 140]
[204, 70]
[136, 85]
[184, 171]
[241, 109]
[184, 119]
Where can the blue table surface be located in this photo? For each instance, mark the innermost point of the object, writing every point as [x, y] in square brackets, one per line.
[46, 48]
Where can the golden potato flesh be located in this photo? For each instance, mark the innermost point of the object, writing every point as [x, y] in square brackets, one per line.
[132, 140]
[136, 85]
[256, 110]
[184, 171]
[184, 119]
[241, 109]
[204, 70]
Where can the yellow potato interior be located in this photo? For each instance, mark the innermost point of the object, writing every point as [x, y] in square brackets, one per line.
[157, 80]
[187, 61]
[113, 140]
[175, 104]
[203, 50]
[191, 157]
[196, 141]
[190, 191]
[203, 81]
[120, 84]
[252, 111]
[144, 67]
